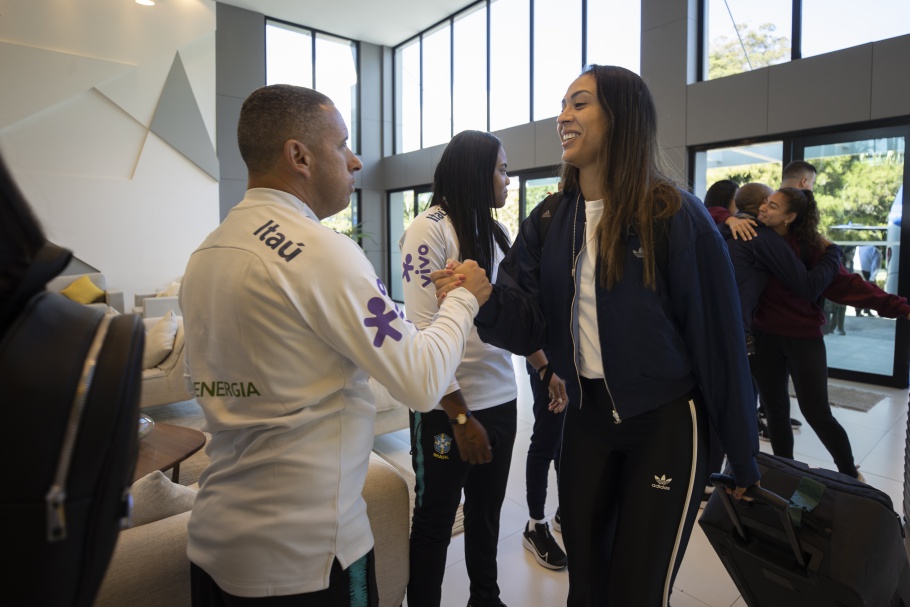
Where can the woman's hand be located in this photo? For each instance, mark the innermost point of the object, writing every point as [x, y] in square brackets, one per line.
[446, 279]
[558, 397]
[742, 228]
[740, 492]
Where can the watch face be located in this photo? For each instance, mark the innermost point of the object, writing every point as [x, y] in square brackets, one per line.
[462, 419]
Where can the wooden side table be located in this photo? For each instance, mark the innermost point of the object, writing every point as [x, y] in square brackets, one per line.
[165, 447]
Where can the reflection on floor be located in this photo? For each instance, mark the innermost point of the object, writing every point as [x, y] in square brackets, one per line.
[878, 445]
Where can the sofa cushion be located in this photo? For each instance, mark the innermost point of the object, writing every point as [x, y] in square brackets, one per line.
[381, 397]
[159, 341]
[155, 497]
[83, 290]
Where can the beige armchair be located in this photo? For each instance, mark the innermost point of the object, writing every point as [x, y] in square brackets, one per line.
[152, 305]
[150, 567]
[167, 382]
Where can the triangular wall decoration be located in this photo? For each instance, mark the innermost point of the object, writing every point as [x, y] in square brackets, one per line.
[179, 122]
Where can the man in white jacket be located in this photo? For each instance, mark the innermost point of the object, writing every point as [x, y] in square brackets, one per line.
[285, 321]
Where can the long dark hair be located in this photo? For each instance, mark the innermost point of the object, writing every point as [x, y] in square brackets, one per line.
[721, 193]
[636, 193]
[463, 187]
[805, 226]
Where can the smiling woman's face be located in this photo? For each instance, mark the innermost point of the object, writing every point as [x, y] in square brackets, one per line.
[775, 213]
[581, 123]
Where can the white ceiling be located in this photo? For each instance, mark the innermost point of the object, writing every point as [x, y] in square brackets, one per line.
[384, 22]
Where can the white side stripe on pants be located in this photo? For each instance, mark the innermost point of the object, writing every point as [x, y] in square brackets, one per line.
[682, 520]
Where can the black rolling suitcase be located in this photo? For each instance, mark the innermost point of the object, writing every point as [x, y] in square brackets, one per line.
[811, 537]
[70, 380]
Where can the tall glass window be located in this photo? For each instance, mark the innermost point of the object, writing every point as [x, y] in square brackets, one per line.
[510, 63]
[557, 58]
[491, 60]
[510, 214]
[347, 221]
[469, 87]
[760, 162]
[614, 34]
[290, 59]
[830, 25]
[336, 76]
[437, 86]
[407, 94]
[857, 185]
[742, 35]
[404, 206]
[289, 55]
[538, 189]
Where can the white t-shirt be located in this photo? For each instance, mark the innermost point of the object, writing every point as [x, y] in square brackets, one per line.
[485, 376]
[285, 321]
[590, 360]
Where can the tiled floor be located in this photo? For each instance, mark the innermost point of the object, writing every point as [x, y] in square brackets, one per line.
[878, 443]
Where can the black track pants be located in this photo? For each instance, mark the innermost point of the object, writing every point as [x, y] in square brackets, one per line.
[629, 494]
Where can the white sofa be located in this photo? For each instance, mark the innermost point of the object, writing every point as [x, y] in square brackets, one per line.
[149, 567]
[151, 305]
[167, 382]
[391, 415]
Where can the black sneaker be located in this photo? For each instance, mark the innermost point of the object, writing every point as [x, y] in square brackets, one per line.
[498, 603]
[544, 547]
[557, 523]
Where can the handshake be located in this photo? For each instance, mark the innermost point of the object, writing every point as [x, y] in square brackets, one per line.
[468, 275]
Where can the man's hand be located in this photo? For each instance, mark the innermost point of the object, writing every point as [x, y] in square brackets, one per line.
[473, 443]
[468, 275]
[741, 228]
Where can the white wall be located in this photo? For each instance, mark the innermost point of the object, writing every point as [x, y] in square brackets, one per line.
[81, 86]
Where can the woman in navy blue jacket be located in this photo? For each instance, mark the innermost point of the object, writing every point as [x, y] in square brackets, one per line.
[633, 295]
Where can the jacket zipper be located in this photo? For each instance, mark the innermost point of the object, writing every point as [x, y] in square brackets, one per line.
[616, 418]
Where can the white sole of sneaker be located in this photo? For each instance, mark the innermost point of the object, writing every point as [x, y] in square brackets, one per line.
[527, 544]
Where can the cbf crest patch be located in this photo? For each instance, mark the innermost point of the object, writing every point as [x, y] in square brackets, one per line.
[442, 444]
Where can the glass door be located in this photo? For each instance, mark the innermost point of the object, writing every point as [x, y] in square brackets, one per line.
[859, 190]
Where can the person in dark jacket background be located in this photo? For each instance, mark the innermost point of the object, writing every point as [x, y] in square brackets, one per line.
[633, 295]
[788, 335]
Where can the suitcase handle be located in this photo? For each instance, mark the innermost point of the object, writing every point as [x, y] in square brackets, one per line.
[760, 496]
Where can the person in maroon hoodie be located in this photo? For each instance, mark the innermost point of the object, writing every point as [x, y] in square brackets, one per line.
[788, 335]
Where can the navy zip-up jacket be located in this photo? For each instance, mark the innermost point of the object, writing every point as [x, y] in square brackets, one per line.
[655, 346]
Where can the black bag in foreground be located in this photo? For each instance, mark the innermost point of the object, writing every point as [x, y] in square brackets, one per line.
[70, 380]
[810, 537]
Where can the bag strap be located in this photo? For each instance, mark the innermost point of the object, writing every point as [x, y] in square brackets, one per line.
[55, 499]
[547, 210]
